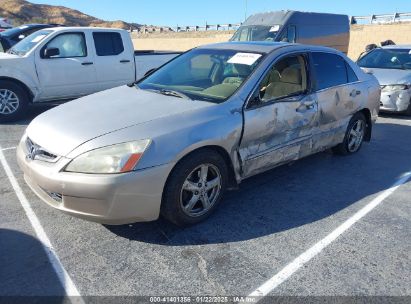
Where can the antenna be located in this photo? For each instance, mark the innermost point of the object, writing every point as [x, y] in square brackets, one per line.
[246, 7]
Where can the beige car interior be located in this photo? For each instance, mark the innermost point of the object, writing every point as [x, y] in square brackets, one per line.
[287, 77]
[230, 84]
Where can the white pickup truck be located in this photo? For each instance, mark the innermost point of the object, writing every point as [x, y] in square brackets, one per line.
[60, 64]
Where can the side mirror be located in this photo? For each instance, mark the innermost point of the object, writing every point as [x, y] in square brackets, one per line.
[149, 72]
[51, 52]
[255, 100]
[21, 37]
[367, 71]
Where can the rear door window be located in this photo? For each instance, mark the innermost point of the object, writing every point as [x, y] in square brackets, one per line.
[108, 43]
[330, 70]
[352, 77]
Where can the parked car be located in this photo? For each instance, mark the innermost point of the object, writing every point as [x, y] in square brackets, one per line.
[330, 30]
[12, 36]
[392, 66]
[200, 124]
[63, 63]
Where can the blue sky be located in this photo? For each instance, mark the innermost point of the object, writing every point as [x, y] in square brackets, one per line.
[193, 12]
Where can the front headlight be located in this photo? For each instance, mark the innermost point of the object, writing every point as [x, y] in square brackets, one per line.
[394, 87]
[118, 158]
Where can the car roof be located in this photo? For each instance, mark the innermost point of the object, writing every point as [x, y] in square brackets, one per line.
[397, 46]
[83, 28]
[264, 46]
[31, 25]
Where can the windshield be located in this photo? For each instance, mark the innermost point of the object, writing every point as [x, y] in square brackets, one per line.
[387, 59]
[28, 43]
[203, 74]
[256, 33]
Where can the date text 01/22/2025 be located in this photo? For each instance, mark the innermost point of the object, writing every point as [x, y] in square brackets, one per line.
[203, 299]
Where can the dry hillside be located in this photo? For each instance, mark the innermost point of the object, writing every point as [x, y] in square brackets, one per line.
[21, 11]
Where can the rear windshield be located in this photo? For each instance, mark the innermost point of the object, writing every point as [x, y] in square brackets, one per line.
[203, 74]
[387, 59]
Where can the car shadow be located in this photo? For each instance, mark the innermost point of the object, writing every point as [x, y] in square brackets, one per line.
[26, 276]
[291, 196]
[400, 116]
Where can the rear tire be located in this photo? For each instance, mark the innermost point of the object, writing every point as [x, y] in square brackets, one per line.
[354, 136]
[194, 188]
[14, 101]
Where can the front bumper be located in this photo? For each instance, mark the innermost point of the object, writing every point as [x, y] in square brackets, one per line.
[396, 101]
[108, 199]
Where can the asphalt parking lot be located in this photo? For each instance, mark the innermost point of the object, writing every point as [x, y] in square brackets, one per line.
[256, 233]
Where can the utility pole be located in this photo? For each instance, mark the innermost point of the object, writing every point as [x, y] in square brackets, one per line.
[246, 7]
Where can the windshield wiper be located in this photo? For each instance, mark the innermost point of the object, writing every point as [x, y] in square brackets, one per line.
[174, 93]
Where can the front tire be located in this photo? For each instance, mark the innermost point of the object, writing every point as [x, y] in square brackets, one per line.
[194, 188]
[13, 101]
[354, 136]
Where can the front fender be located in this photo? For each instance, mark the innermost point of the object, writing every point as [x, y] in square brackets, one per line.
[21, 70]
[176, 136]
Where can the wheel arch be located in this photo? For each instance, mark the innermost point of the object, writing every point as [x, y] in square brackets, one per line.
[20, 83]
[367, 113]
[232, 181]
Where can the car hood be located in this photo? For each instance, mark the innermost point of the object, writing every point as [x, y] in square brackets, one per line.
[391, 76]
[64, 128]
[8, 56]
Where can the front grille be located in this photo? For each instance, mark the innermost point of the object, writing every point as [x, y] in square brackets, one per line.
[35, 152]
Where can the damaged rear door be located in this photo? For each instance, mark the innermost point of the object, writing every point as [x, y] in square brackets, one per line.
[340, 94]
[279, 117]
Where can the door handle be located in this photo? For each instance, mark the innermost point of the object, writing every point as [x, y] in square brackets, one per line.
[124, 61]
[355, 93]
[306, 105]
[309, 104]
[87, 63]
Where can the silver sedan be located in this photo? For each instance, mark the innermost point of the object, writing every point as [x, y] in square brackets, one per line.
[391, 65]
[175, 141]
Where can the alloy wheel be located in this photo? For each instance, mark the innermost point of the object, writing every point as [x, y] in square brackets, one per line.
[9, 102]
[200, 190]
[356, 136]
